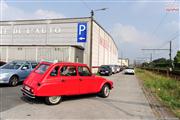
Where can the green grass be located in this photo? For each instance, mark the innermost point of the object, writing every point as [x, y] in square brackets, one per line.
[167, 89]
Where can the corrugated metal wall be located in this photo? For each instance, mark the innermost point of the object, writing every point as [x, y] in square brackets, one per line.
[37, 53]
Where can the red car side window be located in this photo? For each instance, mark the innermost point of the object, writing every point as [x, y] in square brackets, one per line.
[68, 71]
[83, 71]
[54, 72]
[42, 68]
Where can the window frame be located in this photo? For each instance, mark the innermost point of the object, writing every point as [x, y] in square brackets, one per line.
[24, 65]
[87, 69]
[34, 63]
[38, 66]
[57, 71]
[68, 75]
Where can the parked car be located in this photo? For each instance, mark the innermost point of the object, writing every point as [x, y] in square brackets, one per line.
[129, 70]
[105, 70]
[54, 80]
[113, 68]
[2, 63]
[16, 71]
[121, 68]
[117, 68]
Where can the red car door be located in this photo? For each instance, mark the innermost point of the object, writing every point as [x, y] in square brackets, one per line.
[53, 85]
[69, 80]
[88, 83]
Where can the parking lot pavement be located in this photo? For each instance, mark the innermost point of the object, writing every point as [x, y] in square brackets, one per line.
[126, 101]
[9, 97]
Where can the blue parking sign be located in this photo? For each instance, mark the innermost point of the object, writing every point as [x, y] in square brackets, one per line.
[82, 32]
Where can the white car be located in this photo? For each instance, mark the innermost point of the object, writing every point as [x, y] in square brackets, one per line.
[129, 71]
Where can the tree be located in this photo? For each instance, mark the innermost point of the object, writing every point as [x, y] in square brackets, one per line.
[160, 62]
[177, 59]
[145, 64]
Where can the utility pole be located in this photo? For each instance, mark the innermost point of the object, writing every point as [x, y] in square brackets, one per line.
[91, 33]
[170, 52]
[91, 38]
[151, 57]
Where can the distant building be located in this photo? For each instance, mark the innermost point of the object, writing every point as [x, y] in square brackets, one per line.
[123, 62]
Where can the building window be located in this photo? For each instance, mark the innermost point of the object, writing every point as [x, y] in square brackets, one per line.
[19, 48]
[57, 49]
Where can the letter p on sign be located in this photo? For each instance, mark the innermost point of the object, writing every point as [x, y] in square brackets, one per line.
[82, 32]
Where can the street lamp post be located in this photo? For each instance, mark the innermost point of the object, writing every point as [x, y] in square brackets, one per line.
[91, 33]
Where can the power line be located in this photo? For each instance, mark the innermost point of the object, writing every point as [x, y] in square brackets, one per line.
[165, 43]
[86, 5]
[174, 37]
[159, 24]
[171, 38]
[157, 49]
[174, 33]
[163, 50]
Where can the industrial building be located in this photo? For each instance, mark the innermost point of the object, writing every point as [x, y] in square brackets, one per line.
[70, 39]
[123, 62]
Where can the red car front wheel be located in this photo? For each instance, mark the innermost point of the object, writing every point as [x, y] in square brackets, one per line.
[53, 100]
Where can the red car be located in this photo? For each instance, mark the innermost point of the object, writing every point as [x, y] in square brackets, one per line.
[54, 80]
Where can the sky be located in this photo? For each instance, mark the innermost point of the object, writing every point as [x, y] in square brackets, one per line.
[134, 25]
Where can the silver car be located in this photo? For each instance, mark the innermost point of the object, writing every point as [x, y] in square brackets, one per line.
[16, 71]
[129, 70]
[113, 68]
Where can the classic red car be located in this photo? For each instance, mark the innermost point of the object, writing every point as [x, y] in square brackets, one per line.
[54, 80]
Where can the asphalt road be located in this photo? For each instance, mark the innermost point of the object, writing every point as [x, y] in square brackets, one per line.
[126, 101]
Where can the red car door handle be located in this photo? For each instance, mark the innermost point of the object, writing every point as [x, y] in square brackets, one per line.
[80, 79]
[62, 80]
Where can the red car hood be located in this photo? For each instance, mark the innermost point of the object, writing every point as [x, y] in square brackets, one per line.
[33, 79]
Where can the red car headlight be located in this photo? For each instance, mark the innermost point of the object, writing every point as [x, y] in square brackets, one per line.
[32, 91]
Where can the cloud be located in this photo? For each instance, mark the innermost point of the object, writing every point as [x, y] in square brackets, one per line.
[131, 40]
[47, 14]
[130, 34]
[12, 13]
[9, 12]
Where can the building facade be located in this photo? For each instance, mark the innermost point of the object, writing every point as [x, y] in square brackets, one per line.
[123, 62]
[57, 39]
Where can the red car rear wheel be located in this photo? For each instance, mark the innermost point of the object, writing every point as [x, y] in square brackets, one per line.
[105, 91]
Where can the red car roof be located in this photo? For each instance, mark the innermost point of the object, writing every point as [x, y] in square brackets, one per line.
[71, 63]
[64, 63]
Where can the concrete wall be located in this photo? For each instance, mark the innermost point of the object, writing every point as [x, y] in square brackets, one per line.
[104, 49]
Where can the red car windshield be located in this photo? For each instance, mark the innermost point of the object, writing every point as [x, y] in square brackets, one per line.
[42, 68]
